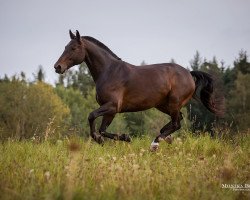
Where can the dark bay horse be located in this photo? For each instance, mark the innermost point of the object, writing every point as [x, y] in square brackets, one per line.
[123, 87]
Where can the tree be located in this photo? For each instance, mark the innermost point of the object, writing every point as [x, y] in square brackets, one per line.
[196, 62]
[236, 82]
[229, 77]
[135, 123]
[80, 106]
[172, 61]
[79, 79]
[26, 110]
[239, 107]
[40, 75]
[241, 64]
[60, 80]
[5, 79]
[201, 118]
[23, 76]
[143, 63]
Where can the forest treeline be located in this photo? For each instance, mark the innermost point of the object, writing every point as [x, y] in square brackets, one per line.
[36, 109]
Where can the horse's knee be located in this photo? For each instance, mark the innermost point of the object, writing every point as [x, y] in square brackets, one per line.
[91, 117]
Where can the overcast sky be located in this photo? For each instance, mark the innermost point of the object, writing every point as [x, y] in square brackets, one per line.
[34, 32]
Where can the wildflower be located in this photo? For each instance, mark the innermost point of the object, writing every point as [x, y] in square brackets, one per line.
[47, 175]
[142, 150]
[136, 167]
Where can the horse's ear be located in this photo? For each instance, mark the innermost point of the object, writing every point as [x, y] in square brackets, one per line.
[78, 37]
[72, 36]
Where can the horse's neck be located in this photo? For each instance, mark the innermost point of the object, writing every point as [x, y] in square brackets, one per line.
[97, 60]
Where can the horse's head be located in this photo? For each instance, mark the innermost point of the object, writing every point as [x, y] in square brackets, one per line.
[73, 54]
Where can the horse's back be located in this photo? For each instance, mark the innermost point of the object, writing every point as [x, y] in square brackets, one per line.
[150, 85]
[167, 74]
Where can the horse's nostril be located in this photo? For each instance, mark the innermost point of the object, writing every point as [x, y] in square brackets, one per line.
[58, 68]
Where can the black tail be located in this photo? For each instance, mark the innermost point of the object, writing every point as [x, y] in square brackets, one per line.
[212, 101]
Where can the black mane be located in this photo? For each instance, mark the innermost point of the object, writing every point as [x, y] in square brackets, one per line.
[103, 46]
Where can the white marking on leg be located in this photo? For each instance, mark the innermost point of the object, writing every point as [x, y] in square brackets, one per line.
[154, 146]
[154, 143]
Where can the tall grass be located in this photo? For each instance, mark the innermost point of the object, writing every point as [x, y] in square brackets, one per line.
[189, 168]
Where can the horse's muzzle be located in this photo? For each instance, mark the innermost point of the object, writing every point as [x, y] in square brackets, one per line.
[58, 69]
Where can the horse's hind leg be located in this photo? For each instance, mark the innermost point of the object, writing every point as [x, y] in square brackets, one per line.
[171, 127]
[164, 128]
[106, 121]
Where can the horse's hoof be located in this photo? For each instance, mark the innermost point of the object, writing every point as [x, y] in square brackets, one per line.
[99, 140]
[125, 137]
[154, 146]
[169, 139]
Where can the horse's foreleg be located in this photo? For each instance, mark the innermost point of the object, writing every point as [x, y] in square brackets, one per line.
[171, 127]
[106, 109]
[106, 121]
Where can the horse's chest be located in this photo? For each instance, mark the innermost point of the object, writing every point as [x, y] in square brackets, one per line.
[105, 94]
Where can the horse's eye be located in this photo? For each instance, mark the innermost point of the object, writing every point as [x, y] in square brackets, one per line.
[73, 48]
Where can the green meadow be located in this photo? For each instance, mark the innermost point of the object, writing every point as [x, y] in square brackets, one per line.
[192, 167]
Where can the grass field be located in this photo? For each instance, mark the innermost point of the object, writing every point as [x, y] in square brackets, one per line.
[189, 168]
